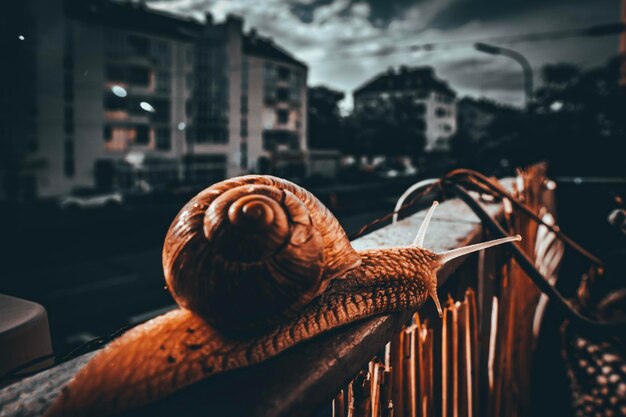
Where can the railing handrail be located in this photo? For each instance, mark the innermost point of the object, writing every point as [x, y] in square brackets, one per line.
[300, 380]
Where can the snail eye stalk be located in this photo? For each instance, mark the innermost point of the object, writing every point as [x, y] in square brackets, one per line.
[447, 256]
[421, 233]
[419, 242]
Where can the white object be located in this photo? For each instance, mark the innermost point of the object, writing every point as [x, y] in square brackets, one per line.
[91, 199]
[24, 334]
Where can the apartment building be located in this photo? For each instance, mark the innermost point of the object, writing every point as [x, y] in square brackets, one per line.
[435, 101]
[124, 97]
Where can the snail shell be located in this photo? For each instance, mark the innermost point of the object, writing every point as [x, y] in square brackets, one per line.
[251, 251]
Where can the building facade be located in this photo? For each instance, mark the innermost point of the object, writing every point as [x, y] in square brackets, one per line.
[129, 98]
[434, 100]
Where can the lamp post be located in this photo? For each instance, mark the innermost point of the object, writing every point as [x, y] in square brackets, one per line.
[519, 58]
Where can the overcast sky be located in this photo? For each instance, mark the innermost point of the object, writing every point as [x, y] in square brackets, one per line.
[334, 36]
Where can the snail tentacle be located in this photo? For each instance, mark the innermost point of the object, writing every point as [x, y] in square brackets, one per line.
[421, 233]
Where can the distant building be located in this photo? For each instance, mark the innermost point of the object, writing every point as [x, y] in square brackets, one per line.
[112, 94]
[419, 84]
[475, 116]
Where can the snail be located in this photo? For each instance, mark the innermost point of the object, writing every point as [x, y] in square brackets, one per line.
[257, 264]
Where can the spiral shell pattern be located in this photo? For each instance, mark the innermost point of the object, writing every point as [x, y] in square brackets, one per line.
[250, 251]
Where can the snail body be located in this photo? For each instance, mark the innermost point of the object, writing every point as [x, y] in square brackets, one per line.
[257, 265]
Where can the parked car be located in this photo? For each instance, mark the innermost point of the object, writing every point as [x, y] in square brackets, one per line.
[84, 198]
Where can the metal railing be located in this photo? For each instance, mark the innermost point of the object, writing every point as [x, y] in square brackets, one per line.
[303, 380]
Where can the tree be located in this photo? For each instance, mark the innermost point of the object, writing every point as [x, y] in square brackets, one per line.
[577, 123]
[390, 128]
[324, 120]
[580, 119]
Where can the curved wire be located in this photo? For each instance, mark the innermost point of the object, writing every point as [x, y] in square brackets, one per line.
[388, 216]
[585, 323]
[489, 184]
[413, 188]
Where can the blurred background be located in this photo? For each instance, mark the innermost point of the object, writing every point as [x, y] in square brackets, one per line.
[114, 113]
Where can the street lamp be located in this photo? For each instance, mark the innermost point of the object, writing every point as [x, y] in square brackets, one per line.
[519, 58]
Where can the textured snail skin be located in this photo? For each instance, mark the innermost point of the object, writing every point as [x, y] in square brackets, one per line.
[155, 359]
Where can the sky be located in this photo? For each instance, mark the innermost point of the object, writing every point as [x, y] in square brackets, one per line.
[345, 42]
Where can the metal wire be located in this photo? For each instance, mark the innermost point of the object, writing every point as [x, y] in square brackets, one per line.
[413, 188]
[484, 183]
[412, 202]
[584, 323]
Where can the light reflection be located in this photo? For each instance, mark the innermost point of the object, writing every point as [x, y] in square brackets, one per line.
[21, 37]
[135, 158]
[147, 106]
[119, 91]
[182, 126]
[556, 106]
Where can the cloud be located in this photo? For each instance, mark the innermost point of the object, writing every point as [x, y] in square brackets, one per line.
[462, 12]
[304, 11]
[379, 12]
[346, 42]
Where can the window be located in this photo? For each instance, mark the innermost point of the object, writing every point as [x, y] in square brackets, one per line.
[441, 112]
[189, 56]
[163, 139]
[282, 116]
[295, 87]
[115, 73]
[161, 52]
[68, 120]
[139, 76]
[283, 73]
[211, 134]
[69, 166]
[68, 86]
[205, 168]
[244, 127]
[163, 82]
[139, 45]
[107, 133]
[143, 135]
[269, 82]
[282, 94]
[113, 102]
[243, 148]
[162, 110]
[244, 104]
[115, 45]
[273, 140]
[244, 75]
